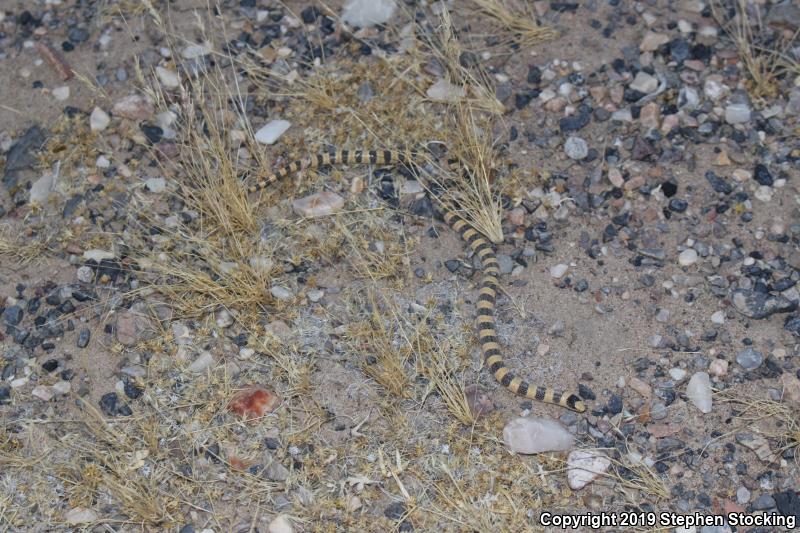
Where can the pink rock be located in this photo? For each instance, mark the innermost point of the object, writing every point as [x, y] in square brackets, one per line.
[318, 204]
[134, 107]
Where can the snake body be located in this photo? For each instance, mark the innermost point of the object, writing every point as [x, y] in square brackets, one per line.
[487, 294]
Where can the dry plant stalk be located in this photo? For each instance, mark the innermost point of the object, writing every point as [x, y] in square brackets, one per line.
[766, 65]
[784, 418]
[520, 24]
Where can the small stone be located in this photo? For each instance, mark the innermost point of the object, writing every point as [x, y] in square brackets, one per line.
[156, 185]
[280, 524]
[254, 402]
[13, 315]
[280, 292]
[644, 83]
[559, 270]
[640, 387]
[536, 435]
[791, 389]
[718, 367]
[699, 391]
[315, 295]
[687, 257]
[43, 392]
[576, 148]
[194, 51]
[364, 13]
[80, 515]
[223, 318]
[61, 93]
[583, 466]
[61, 387]
[134, 107]
[270, 132]
[742, 496]
[737, 113]
[444, 91]
[750, 359]
[718, 318]
[84, 274]
[318, 204]
[652, 41]
[168, 77]
[677, 374]
[505, 263]
[201, 363]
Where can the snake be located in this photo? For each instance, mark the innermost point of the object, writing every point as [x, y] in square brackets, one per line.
[480, 246]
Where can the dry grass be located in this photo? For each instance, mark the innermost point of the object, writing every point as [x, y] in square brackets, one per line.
[767, 58]
[517, 23]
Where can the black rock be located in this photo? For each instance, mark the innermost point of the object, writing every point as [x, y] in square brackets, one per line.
[677, 205]
[13, 315]
[762, 175]
[575, 122]
[33, 305]
[132, 390]
[452, 264]
[788, 503]
[718, 184]
[188, 528]
[50, 365]
[108, 403]
[54, 298]
[153, 133]
[759, 305]
[585, 392]
[534, 75]
[5, 394]
[679, 50]
[395, 511]
[792, 325]
[309, 14]
[23, 155]
[614, 404]
[78, 35]
[83, 338]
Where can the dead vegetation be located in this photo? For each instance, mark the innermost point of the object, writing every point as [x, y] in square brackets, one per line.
[767, 53]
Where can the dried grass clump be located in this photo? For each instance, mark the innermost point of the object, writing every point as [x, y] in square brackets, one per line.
[517, 23]
[767, 55]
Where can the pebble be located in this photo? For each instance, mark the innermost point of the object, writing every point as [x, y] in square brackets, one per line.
[80, 515]
[791, 390]
[559, 270]
[583, 466]
[168, 77]
[84, 274]
[201, 363]
[742, 496]
[194, 51]
[134, 107]
[270, 132]
[505, 263]
[280, 292]
[652, 41]
[718, 318]
[280, 524]
[43, 392]
[364, 13]
[536, 435]
[698, 390]
[315, 295]
[718, 367]
[444, 91]
[677, 374]
[687, 257]
[644, 83]
[318, 204]
[749, 358]
[737, 113]
[156, 185]
[61, 93]
[576, 148]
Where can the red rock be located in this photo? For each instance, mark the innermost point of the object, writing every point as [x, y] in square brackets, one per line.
[663, 430]
[254, 402]
[480, 404]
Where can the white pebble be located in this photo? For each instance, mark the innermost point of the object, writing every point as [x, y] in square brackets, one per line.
[536, 435]
[699, 391]
[61, 93]
[583, 466]
[687, 257]
[718, 318]
[168, 77]
[737, 113]
[363, 13]
[202, 362]
[270, 132]
[156, 185]
[677, 373]
[281, 293]
[318, 204]
[280, 524]
[85, 274]
[99, 119]
[576, 148]
[444, 91]
[559, 270]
